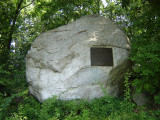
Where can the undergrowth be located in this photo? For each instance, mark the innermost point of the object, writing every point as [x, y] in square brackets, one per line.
[18, 104]
[104, 108]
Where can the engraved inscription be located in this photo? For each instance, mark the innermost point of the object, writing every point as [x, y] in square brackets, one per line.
[101, 56]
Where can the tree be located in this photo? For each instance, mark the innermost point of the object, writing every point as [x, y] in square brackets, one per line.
[141, 21]
[23, 21]
[10, 11]
[143, 29]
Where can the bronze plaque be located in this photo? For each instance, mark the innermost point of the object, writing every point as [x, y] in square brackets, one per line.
[101, 57]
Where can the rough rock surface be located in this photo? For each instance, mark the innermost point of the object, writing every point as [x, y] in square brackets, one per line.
[59, 60]
[140, 99]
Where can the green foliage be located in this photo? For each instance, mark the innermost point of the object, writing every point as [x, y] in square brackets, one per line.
[24, 106]
[145, 53]
[137, 18]
[132, 116]
[53, 109]
[127, 91]
[29, 108]
[129, 106]
[157, 98]
[4, 106]
[141, 21]
[148, 71]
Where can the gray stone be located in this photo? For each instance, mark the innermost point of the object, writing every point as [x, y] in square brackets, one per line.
[59, 62]
[140, 99]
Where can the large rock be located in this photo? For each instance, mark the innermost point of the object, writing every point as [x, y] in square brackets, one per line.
[59, 62]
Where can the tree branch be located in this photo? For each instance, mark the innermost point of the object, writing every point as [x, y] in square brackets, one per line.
[27, 5]
[14, 22]
[13, 25]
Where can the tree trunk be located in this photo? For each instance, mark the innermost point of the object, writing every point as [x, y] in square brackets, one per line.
[13, 25]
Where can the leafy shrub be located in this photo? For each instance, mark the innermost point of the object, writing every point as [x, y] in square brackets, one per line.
[146, 55]
[25, 107]
[157, 98]
[145, 52]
